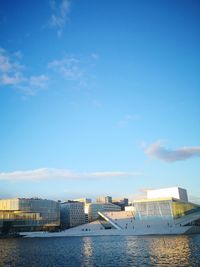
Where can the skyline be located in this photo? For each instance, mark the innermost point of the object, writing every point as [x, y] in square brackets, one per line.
[99, 98]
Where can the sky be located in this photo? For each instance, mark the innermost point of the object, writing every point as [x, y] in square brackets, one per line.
[99, 97]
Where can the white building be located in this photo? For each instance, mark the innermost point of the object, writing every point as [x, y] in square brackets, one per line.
[130, 208]
[72, 214]
[175, 192]
[93, 208]
[151, 216]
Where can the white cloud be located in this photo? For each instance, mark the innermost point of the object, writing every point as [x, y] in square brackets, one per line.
[59, 16]
[95, 56]
[39, 81]
[7, 79]
[70, 68]
[12, 73]
[18, 54]
[158, 150]
[67, 67]
[33, 84]
[10, 68]
[110, 174]
[50, 173]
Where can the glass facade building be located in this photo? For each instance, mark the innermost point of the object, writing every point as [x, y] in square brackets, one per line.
[29, 214]
[169, 208]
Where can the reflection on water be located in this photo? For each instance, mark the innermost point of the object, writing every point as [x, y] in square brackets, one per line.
[101, 251]
[87, 247]
[87, 251]
[168, 252]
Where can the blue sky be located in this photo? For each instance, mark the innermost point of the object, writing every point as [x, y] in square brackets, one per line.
[99, 97]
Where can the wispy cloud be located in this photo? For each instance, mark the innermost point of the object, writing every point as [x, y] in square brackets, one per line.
[70, 68]
[159, 151]
[10, 69]
[127, 119]
[50, 173]
[95, 56]
[60, 11]
[33, 84]
[12, 73]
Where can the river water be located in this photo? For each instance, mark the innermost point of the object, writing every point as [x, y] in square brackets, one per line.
[101, 251]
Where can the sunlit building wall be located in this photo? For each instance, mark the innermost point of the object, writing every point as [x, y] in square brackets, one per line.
[86, 201]
[175, 192]
[72, 214]
[103, 199]
[94, 208]
[29, 214]
[169, 208]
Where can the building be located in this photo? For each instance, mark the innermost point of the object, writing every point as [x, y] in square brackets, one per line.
[72, 214]
[85, 201]
[121, 202]
[151, 216]
[130, 208]
[93, 208]
[103, 199]
[29, 214]
[164, 211]
[175, 192]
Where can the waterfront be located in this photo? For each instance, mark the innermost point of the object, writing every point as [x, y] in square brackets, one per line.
[101, 251]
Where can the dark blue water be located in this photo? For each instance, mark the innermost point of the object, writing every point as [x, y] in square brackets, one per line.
[101, 251]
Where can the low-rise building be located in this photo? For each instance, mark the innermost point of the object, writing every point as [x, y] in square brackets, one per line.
[104, 199]
[29, 214]
[72, 214]
[84, 200]
[94, 208]
[121, 202]
[130, 209]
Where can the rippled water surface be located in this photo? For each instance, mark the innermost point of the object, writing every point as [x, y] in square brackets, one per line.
[101, 251]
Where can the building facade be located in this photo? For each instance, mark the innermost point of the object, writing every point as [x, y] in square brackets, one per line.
[29, 214]
[121, 202]
[103, 199]
[72, 214]
[86, 201]
[175, 192]
[94, 208]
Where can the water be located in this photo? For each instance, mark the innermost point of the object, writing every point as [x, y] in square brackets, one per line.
[101, 251]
